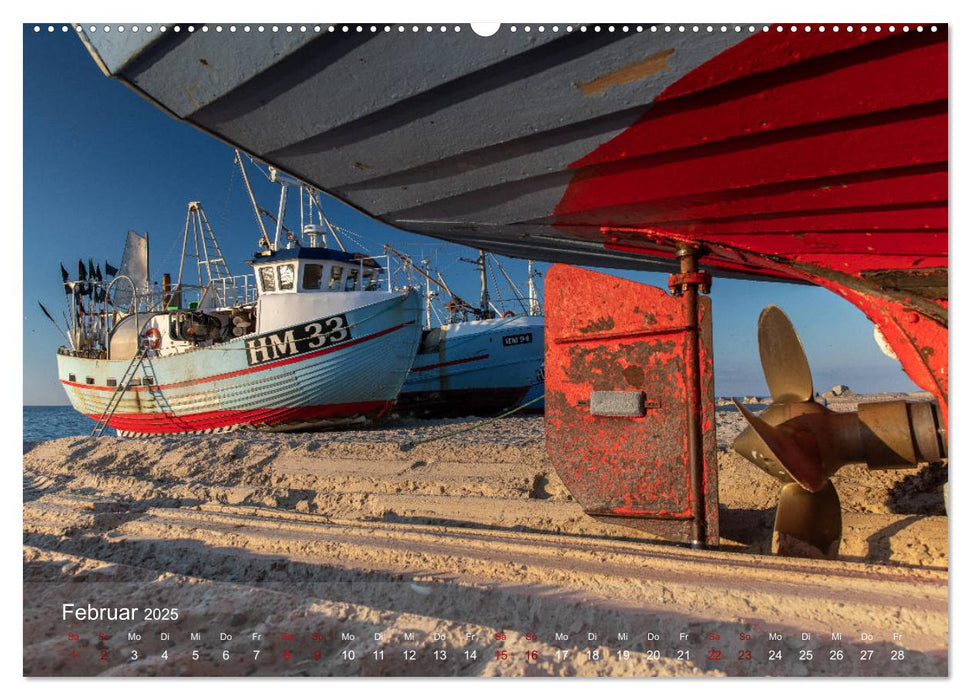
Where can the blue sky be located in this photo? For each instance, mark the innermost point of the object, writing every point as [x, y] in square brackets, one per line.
[99, 160]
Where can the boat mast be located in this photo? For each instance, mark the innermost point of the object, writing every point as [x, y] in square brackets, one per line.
[429, 295]
[483, 280]
[265, 241]
[534, 308]
[205, 248]
[315, 199]
[281, 209]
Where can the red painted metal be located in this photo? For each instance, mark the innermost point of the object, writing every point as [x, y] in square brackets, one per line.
[818, 156]
[608, 334]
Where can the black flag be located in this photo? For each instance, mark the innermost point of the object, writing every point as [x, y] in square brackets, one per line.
[110, 270]
[91, 270]
[99, 293]
[82, 289]
[65, 276]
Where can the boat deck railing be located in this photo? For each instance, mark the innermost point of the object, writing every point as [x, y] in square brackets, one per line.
[119, 298]
[234, 291]
[381, 275]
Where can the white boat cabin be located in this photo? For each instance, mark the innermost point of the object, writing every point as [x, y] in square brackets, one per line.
[291, 286]
[316, 270]
[305, 283]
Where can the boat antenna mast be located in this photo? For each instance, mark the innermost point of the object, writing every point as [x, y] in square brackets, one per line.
[429, 294]
[314, 200]
[484, 311]
[535, 308]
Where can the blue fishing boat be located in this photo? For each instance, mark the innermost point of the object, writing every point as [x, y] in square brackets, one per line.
[484, 359]
[475, 367]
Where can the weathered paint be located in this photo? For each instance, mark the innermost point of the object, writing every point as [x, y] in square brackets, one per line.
[608, 334]
[628, 74]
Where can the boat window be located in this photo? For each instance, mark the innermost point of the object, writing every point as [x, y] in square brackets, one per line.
[89, 380]
[268, 279]
[350, 284]
[71, 378]
[336, 272]
[286, 277]
[111, 382]
[312, 275]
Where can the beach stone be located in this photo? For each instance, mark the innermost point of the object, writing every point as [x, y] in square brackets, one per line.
[750, 400]
[838, 390]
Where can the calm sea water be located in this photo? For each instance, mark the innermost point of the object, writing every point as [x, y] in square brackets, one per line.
[50, 422]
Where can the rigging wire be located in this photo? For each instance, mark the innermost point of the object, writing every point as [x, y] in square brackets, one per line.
[410, 444]
[495, 286]
[224, 218]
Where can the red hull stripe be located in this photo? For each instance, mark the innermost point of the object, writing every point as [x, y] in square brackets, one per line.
[448, 364]
[248, 370]
[208, 420]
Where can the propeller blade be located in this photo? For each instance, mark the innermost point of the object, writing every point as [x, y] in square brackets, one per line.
[749, 445]
[784, 361]
[774, 446]
[808, 524]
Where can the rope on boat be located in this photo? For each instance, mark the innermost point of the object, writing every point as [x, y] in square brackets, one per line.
[405, 446]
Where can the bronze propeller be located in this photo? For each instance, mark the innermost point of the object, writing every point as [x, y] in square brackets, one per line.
[803, 444]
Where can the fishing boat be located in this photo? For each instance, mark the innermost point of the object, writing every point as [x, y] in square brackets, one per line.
[314, 337]
[483, 360]
[809, 153]
[815, 154]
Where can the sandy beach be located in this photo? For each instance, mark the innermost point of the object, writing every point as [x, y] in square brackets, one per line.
[317, 534]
